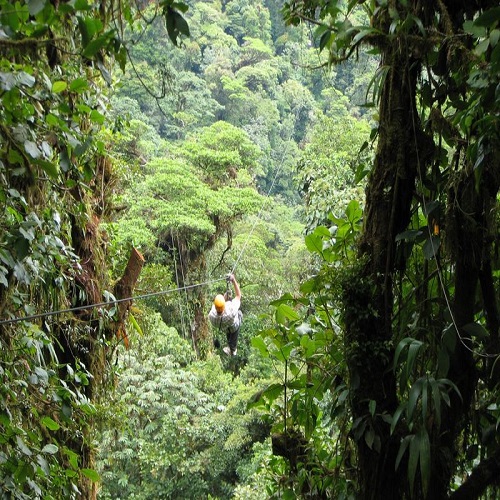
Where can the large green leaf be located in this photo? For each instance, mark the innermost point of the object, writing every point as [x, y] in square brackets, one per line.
[285, 313]
[397, 415]
[353, 211]
[91, 474]
[79, 85]
[436, 398]
[476, 331]
[414, 395]
[314, 243]
[272, 392]
[50, 423]
[50, 168]
[59, 86]
[402, 449]
[22, 446]
[258, 343]
[413, 459]
[488, 18]
[431, 247]
[50, 448]
[94, 46]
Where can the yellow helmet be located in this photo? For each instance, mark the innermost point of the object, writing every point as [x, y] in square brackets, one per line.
[219, 303]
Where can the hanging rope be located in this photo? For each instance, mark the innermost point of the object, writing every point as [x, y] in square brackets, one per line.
[181, 311]
[181, 264]
[434, 252]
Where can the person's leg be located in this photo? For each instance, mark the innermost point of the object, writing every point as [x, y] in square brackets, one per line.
[232, 340]
[228, 349]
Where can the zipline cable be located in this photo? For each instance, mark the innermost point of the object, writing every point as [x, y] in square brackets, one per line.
[107, 303]
[267, 198]
[162, 292]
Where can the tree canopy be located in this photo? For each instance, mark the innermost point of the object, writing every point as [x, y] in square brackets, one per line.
[342, 157]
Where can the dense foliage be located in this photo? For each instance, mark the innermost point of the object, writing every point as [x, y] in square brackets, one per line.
[55, 179]
[148, 149]
[187, 433]
[417, 301]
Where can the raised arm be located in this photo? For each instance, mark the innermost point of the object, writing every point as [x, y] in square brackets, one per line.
[237, 290]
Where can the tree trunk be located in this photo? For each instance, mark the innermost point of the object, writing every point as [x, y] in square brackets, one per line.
[123, 289]
[470, 238]
[484, 474]
[402, 157]
[91, 351]
[369, 335]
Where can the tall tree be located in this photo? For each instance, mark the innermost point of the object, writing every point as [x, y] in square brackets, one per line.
[55, 179]
[183, 205]
[420, 305]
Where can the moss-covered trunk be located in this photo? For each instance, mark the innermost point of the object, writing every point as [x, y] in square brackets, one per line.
[401, 161]
[87, 341]
[368, 294]
[470, 235]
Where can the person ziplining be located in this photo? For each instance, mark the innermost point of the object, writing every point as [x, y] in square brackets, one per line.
[226, 315]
